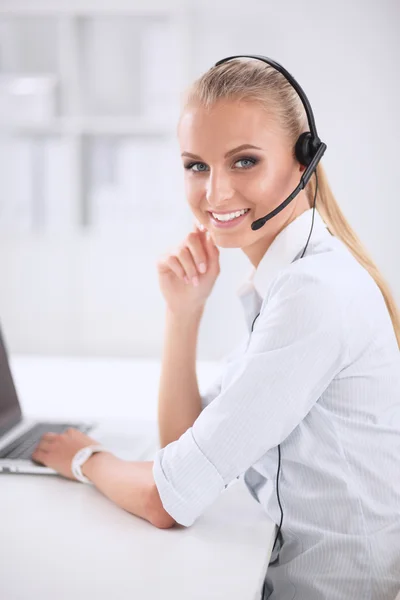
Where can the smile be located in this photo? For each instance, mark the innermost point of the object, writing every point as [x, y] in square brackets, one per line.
[228, 219]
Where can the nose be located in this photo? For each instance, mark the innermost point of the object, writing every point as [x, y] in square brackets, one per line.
[219, 189]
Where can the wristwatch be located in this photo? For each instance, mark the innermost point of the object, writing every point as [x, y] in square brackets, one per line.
[81, 457]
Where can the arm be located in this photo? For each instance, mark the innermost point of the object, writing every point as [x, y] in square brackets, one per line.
[298, 346]
[130, 485]
[179, 402]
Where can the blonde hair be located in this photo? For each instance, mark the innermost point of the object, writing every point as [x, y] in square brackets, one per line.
[249, 80]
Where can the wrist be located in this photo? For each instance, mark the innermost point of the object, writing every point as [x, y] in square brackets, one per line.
[188, 316]
[90, 466]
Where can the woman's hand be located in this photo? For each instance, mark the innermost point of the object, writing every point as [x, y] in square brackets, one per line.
[56, 450]
[183, 282]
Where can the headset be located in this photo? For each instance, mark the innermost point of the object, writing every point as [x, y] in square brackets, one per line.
[309, 150]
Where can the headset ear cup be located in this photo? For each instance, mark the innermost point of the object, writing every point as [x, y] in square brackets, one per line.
[303, 148]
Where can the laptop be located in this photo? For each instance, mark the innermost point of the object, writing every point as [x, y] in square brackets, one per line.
[20, 435]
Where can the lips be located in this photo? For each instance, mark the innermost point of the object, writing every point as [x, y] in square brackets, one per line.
[226, 212]
[228, 224]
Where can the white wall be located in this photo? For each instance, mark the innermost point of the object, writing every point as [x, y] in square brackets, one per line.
[93, 295]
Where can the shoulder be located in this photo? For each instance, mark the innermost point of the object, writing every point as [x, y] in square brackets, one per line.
[330, 271]
[310, 281]
[328, 289]
[302, 313]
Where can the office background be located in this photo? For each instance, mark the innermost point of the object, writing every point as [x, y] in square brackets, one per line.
[91, 183]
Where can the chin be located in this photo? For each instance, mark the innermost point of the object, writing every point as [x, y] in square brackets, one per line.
[228, 241]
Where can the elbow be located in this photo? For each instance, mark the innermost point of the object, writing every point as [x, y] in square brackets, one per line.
[157, 515]
[163, 521]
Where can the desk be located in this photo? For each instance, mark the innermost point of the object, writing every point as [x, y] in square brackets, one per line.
[62, 540]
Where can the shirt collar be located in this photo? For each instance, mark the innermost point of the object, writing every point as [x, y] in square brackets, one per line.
[286, 246]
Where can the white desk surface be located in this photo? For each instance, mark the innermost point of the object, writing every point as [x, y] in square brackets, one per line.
[63, 540]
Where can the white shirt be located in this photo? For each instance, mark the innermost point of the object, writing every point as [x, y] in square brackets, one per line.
[319, 375]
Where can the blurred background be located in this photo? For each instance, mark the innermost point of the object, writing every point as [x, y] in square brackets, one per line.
[91, 182]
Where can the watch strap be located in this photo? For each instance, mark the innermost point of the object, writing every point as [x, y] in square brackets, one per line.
[81, 457]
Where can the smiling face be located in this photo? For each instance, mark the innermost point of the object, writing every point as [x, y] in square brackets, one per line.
[223, 176]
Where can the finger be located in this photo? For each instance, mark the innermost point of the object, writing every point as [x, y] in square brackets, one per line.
[197, 247]
[211, 245]
[39, 456]
[71, 431]
[199, 227]
[173, 263]
[203, 234]
[186, 259]
[45, 445]
[49, 436]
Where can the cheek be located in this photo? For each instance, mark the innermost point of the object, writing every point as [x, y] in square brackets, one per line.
[264, 187]
[255, 187]
[193, 192]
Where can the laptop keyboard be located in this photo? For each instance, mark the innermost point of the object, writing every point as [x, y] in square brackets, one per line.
[24, 445]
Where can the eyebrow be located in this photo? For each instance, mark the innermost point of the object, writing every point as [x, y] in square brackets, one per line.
[242, 147]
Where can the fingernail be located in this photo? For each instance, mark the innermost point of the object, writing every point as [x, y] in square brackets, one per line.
[186, 279]
[195, 281]
[202, 267]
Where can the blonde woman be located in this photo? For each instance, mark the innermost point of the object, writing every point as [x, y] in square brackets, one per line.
[307, 408]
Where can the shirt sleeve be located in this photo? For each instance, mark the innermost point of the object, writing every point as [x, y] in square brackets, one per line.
[213, 390]
[296, 349]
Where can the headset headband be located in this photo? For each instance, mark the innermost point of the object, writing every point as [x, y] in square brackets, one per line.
[310, 116]
[308, 148]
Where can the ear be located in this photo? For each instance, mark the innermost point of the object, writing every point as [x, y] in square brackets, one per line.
[302, 168]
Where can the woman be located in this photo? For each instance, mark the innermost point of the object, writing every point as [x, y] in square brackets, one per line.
[313, 392]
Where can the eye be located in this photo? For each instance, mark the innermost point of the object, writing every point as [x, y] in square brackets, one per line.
[248, 159]
[251, 161]
[193, 164]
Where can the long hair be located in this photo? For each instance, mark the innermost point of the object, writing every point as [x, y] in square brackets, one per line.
[249, 80]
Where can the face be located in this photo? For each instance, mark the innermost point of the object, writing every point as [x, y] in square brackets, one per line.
[221, 178]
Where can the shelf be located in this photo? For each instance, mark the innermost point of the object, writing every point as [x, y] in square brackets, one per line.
[91, 7]
[94, 126]
[115, 97]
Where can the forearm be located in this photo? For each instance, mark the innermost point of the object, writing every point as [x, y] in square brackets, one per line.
[179, 401]
[129, 484]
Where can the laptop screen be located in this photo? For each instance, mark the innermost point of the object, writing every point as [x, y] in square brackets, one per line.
[10, 410]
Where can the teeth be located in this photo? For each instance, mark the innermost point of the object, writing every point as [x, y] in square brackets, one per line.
[230, 216]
